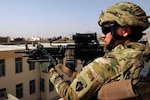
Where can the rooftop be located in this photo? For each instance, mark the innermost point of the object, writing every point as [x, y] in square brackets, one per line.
[22, 46]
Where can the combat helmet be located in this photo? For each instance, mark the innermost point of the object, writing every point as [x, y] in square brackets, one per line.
[125, 14]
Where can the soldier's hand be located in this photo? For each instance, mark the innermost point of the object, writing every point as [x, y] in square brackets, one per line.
[45, 66]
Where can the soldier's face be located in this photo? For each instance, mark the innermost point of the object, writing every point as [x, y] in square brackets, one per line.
[107, 38]
[106, 35]
[122, 31]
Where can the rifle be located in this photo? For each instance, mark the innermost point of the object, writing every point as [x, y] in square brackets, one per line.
[85, 48]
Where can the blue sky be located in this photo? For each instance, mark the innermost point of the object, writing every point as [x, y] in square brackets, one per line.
[49, 18]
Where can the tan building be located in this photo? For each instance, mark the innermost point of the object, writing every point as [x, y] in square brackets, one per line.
[23, 80]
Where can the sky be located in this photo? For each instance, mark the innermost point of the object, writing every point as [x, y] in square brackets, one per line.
[50, 18]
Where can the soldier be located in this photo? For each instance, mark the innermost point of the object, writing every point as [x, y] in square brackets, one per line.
[119, 69]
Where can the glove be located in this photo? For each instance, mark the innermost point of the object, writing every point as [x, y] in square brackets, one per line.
[45, 66]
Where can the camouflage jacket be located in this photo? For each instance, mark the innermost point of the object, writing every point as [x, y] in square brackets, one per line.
[123, 62]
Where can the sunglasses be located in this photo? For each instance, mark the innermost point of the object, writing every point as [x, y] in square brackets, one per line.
[106, 29]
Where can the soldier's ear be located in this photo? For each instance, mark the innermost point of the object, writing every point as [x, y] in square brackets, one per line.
[126, 31]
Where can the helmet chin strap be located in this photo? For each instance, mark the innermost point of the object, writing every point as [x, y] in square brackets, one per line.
[111, 43]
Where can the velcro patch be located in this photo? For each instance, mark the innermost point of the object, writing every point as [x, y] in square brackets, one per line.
[83, 82]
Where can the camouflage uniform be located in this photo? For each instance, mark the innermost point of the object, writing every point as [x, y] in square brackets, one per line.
[123, 62]
[130, 14]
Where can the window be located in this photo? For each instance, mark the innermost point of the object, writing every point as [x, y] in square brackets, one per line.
[32, 86]
[51, 86]
[2, 68]
[19, 91]
[42, 85]
[31, 66]
[3, 92]
[18, 62]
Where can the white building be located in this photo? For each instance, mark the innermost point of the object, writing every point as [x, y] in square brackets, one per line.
[22, 80]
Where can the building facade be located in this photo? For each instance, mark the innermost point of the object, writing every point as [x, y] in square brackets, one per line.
[22, 80]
